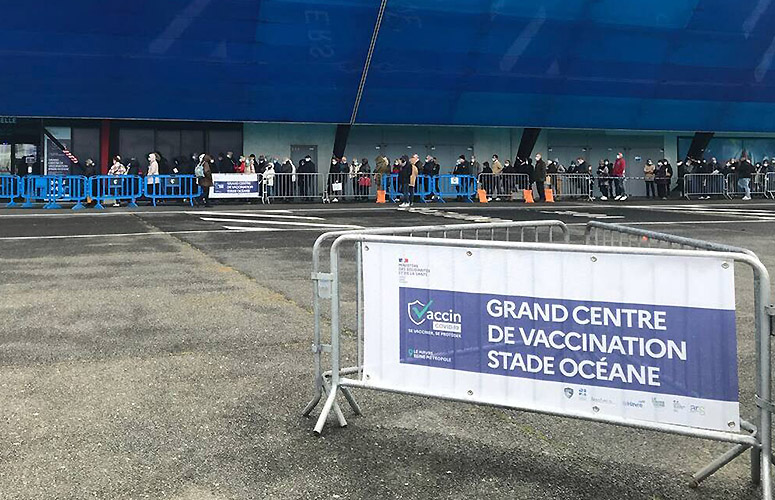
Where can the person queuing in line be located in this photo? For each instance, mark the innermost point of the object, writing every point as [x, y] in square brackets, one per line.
[462, 167]
[364, 181]
[381, 169]
[117, 168]
[604, 179]
[497, 179]
[430, 169]
[539, 177]
[306, 177]
[649, 174]
[354, 174]
[239, 167]
[475, 166]
[486, 180]
[153, 168]
[336, 177]
[664, 175]
[268, 181]
[404, 178]
[745, 170]
[204, 177]
[619, 171]
[409, 172]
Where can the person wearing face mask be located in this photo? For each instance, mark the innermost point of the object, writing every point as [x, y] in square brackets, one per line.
[498, 180]
[603, 180]
[539, 176]
[618, 172]
[151, 177]
[335, 181]
[664, 175]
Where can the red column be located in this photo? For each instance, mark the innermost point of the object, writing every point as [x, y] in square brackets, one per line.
[104, 146]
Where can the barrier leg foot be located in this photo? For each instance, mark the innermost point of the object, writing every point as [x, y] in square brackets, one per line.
[132, 204]
[79, 206]
[350, 399]
[717, 464]
[756, 466]
[10, 204]
[52, 206]
[99, 206]
[312, 404]
[337, 408]
[330, 402]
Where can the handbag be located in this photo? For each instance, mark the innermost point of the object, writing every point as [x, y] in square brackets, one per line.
[364, 182]
[336, 186]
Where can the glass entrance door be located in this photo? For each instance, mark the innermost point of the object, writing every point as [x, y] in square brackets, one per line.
[5, 158]
[25, 159]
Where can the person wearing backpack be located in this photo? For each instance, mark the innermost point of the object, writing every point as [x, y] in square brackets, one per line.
[204, 177]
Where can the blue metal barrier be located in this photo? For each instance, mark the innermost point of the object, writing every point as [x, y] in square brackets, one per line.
[422, 189]
[172, 187]
[52, 189]
[116, 187]
[11, 188]
[392, 186]
[457, 186]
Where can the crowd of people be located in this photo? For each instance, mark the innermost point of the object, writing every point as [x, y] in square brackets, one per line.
[286, 181]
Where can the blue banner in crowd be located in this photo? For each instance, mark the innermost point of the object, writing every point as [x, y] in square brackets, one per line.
[684, 351]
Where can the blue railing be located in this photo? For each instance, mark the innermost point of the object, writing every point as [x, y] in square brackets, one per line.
[52, 189]
[172, 187]
[461, 187]
[117, 188]
[10, 189]
[424, 187]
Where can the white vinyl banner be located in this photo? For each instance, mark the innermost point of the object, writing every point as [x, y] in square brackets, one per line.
[636, 337]
[235, 186]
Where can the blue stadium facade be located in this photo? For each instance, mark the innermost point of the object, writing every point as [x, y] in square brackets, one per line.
[89, 70]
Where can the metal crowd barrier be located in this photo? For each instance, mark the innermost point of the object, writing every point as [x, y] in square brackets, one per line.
[757, 185]
[704, 185]
[455, 186]
[501, 231]
[508, 186]
[117, 188]
[566, 186]
[10, 188]
[424, 187]
[769, 184]
[52, 189]
[171, 187]
[743, 434]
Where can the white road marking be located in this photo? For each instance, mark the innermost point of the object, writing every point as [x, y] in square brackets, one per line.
[453, 215]
[581, 214]
[283, 223]
[272, 215]
[110, 235]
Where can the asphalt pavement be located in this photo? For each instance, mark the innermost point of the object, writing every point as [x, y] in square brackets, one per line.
[165, 353]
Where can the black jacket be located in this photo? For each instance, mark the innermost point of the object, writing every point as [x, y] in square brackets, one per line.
[744, 169]
[431, 168]
[306, 167]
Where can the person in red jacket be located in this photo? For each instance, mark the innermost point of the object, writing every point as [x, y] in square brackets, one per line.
[619, 171]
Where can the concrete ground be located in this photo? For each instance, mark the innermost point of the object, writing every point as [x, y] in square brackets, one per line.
[165, 353]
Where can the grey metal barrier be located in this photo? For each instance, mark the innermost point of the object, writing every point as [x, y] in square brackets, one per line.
[602, 233]
[504, 187]
[757, 438]
[704, 186]
[570, 186]
[548, 230]
[757, 185]
[769, 184]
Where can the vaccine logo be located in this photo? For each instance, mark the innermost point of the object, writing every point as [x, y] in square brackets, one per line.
[418, 311]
